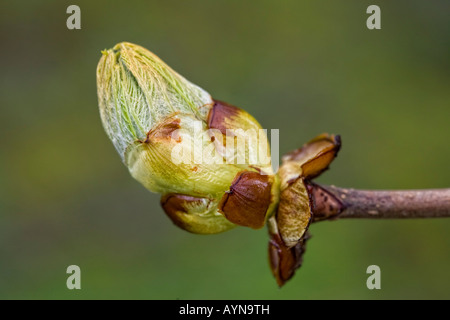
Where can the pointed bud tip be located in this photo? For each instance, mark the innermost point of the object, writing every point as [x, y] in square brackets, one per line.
[137, 91]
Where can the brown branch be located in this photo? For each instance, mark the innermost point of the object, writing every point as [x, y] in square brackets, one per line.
[331, 202]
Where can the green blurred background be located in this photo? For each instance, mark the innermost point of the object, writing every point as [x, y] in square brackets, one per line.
[304, 67]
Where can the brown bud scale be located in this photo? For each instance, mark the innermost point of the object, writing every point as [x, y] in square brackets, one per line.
[247, 201]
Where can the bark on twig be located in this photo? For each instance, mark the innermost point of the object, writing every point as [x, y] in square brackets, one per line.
[382, 204]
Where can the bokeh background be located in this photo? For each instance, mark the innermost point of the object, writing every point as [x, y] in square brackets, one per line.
[304, 67]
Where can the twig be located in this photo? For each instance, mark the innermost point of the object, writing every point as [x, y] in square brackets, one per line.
[382, 204]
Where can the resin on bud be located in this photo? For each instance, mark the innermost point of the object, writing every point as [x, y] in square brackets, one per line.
[177, 140]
